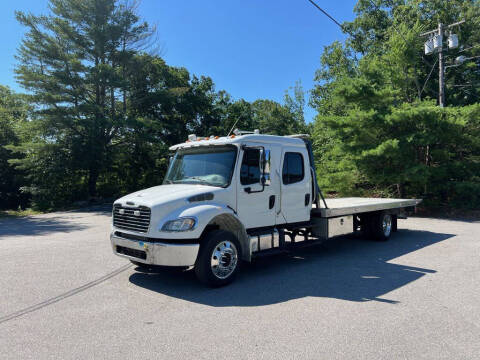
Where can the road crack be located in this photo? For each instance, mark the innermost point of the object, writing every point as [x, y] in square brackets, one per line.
[63, 296]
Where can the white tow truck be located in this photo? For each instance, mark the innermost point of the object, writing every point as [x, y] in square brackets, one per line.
[230, 199]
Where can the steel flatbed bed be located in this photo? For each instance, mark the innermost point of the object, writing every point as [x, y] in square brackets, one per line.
[357, 205]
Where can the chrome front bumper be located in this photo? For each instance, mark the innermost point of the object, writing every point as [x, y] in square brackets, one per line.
[155, 253]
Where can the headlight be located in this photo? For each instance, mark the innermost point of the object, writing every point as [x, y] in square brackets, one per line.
[181, 224]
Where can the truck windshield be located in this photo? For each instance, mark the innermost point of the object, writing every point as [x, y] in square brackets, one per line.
[208, 166]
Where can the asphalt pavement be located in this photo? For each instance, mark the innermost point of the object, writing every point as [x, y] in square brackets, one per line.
[64, 295]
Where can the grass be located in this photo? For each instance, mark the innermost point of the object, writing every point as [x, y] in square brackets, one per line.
[18, 213]
[30, 211]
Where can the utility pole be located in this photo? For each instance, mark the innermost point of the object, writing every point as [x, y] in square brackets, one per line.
[441, 70]
[435, 43]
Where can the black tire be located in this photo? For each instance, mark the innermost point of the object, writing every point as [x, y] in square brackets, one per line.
[381, 226]
[214, 243]
[394, 223]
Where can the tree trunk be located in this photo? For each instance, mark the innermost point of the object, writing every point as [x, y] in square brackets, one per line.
[92, 180]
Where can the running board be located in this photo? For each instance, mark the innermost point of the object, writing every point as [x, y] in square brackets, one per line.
[287, 248]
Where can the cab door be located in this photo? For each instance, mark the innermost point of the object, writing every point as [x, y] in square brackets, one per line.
[296, 185]
[256, 197]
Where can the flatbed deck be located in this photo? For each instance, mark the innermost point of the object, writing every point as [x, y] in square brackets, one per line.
[356, 205]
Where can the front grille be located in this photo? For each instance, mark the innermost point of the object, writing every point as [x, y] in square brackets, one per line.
[132, 252]
[131, 218]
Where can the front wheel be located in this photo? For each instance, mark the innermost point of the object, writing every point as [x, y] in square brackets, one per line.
[219, 258]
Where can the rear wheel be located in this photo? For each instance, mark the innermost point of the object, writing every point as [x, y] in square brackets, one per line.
[381, 226]
[219, 258]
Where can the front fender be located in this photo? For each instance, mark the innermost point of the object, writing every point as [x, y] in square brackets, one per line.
[209, 214]
[204, 213]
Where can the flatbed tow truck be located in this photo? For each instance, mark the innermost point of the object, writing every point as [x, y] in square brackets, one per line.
[230, 199]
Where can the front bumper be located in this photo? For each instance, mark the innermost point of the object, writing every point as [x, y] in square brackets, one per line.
[155, 253]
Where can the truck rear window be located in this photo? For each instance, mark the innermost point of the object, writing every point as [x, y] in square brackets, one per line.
[293, 170]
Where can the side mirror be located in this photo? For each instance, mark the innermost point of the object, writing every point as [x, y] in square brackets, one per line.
[265, 166]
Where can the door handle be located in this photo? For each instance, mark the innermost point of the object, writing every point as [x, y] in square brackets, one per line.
[271, 202]
[307, 199]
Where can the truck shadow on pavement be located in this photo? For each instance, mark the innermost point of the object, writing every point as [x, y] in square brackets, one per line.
[347, 268]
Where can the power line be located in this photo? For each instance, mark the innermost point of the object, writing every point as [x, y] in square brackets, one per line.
[407, 43]
[428, 77]
[327, 14]
[398, 31]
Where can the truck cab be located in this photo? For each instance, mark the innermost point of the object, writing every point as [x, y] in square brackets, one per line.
[225, 200]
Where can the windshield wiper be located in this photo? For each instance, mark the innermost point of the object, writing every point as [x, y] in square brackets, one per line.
[195, 178]
[200, 180]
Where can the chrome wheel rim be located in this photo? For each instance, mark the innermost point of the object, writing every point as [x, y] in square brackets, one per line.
[224, 259]
[387, 225]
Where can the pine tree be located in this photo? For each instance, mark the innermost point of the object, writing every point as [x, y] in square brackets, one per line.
[13, 119]
[73, 64]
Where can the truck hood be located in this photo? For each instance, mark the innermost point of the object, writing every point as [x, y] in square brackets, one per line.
[163, 194]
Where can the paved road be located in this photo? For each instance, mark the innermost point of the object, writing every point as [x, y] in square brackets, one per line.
[64, 295]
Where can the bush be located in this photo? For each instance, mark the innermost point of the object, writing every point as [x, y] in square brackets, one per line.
[415, 150]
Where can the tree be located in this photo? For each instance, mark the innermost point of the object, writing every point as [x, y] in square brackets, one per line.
[377, 131]
[387, 31]
[165, 104]
[73, 63]
[296, 105]
[13, 121]
[237, 114]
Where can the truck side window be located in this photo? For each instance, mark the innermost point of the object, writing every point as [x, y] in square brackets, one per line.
[250, 170]
[293, 170]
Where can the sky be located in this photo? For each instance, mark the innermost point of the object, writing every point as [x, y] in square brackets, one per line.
[250, 48]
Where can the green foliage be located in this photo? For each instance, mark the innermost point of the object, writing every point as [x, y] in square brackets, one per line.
[73, 62]
[105, 108]
[272, 118]
[19, 213]
[52, 180]
[386, 36]
[377, 133]
[102, 110]
[13, 116]
[337, 172]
